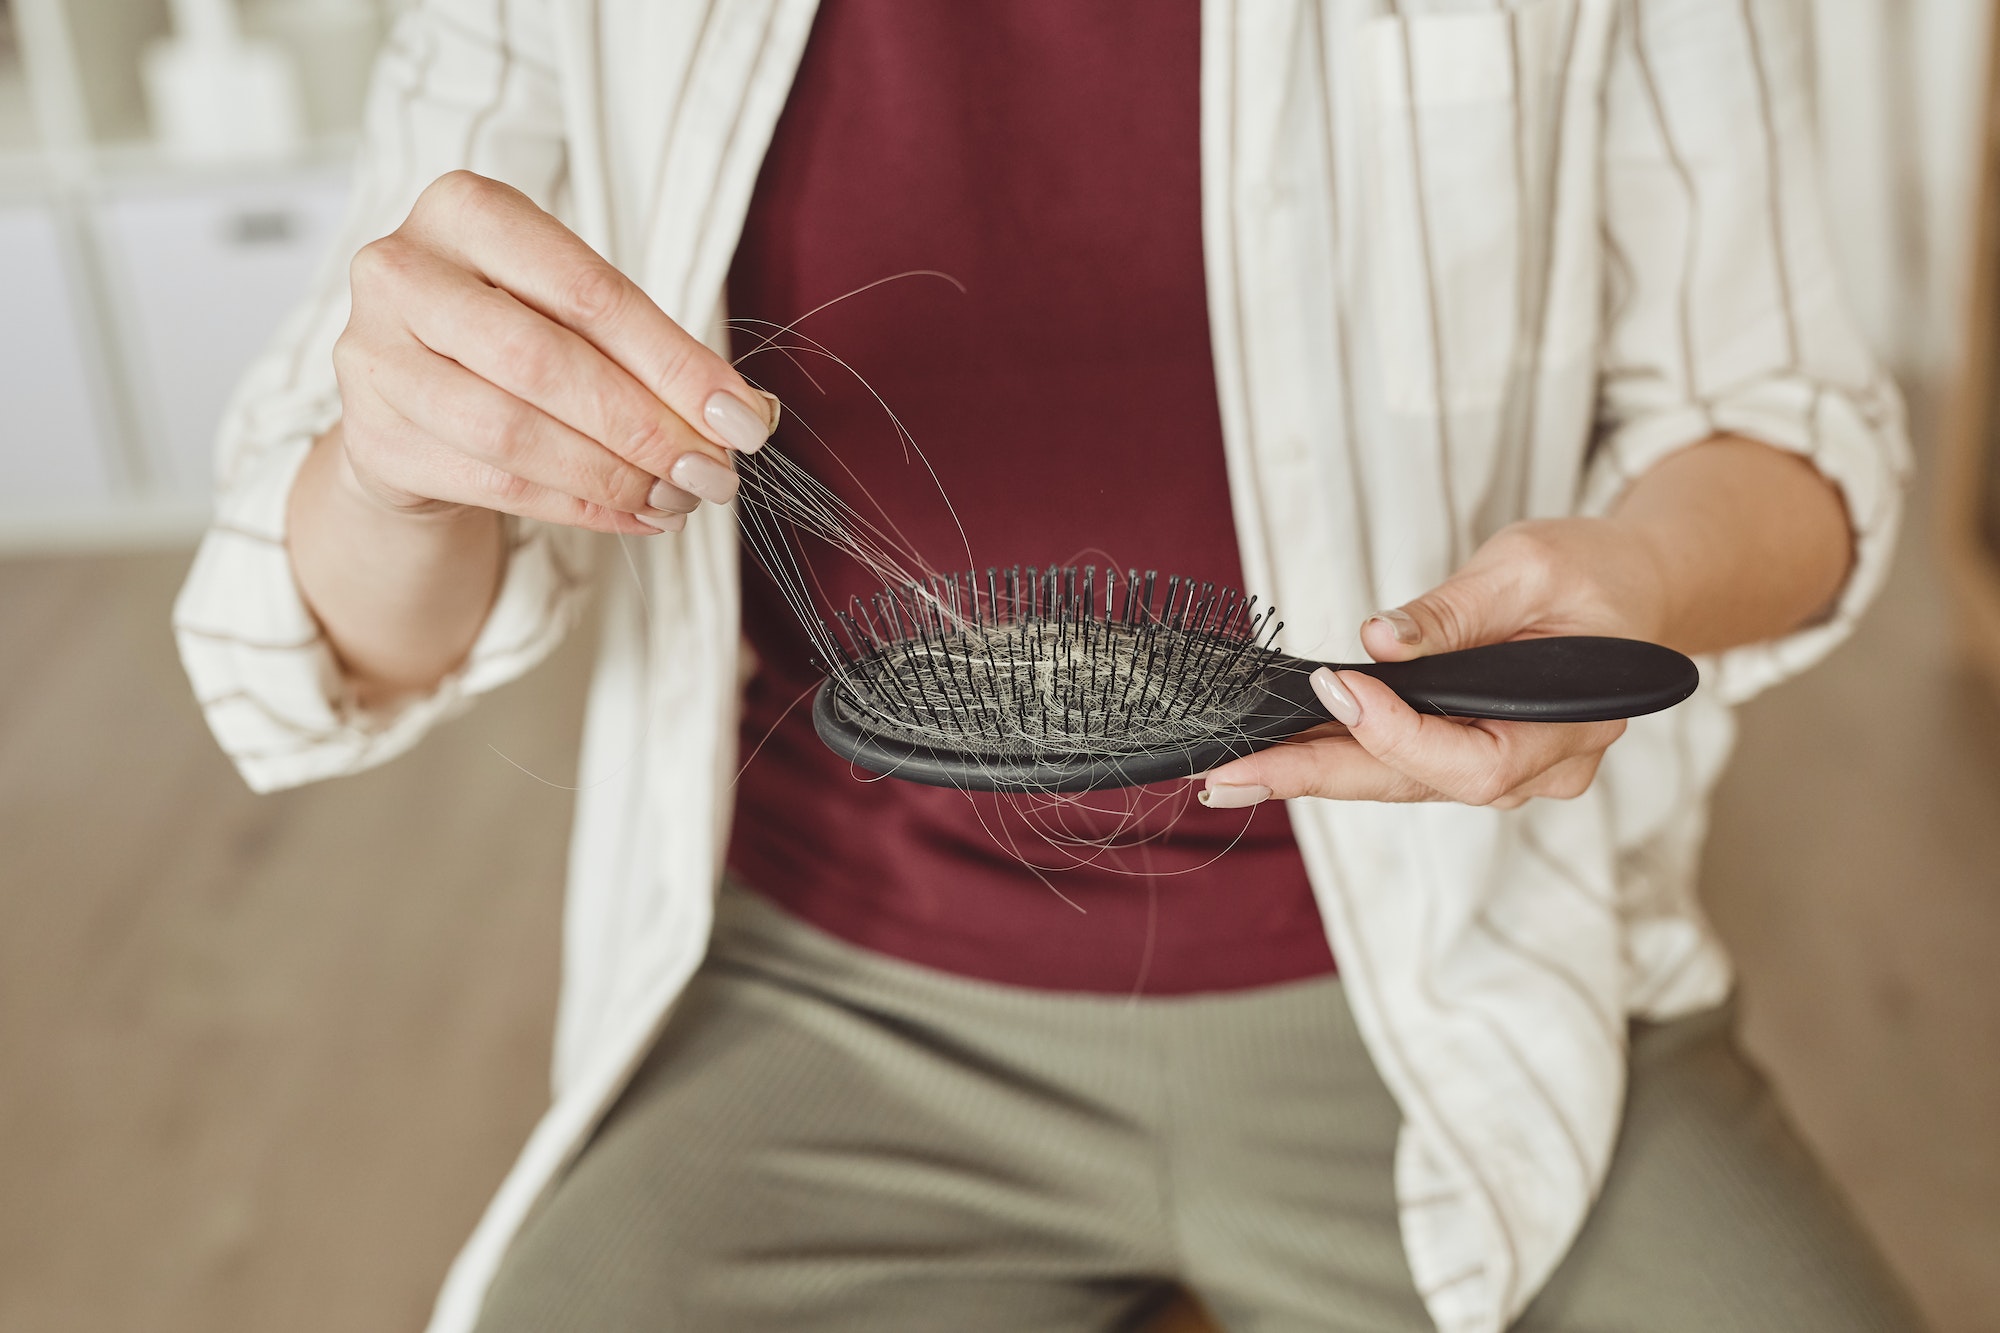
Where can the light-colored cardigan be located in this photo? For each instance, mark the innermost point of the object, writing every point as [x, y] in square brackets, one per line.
[1466, 262]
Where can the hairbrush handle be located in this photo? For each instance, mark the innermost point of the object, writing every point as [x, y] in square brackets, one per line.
[1571, 678]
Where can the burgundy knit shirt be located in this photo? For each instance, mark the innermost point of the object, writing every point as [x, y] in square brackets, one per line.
[1045, 155]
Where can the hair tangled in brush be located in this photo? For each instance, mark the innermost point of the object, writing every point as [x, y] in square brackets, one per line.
[1051, 661]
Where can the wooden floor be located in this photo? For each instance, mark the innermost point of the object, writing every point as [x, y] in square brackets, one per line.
[262, 1059]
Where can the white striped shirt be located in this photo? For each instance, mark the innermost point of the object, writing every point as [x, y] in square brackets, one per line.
[1468, 261]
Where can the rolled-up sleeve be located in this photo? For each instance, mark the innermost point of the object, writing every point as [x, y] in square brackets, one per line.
[458, 85]
[1724, 310]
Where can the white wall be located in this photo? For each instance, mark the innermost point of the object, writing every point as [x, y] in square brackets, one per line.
[1901, 86]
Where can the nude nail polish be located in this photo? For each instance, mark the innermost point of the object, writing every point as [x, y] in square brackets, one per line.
[732, 419]
[703, 476]
[661, 522]
[1334, 697]
[1220, 797]
[775, 409]
[671, 499]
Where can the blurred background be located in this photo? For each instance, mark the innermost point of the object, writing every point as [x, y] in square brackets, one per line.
[262, 1060]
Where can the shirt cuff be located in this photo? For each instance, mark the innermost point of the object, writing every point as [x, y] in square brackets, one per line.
[1854, 437]
[265, 675]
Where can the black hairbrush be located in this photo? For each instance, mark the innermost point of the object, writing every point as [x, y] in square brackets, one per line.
[1045, 681]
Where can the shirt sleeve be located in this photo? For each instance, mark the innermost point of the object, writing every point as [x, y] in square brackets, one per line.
[1723, 308]
[459, 84]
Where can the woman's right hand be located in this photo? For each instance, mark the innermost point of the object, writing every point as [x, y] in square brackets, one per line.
[494, 361]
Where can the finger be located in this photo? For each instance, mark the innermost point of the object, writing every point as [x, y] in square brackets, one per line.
[1564, 782]
[503, 236]
[1477, 763]
[1503, 590]
[1478, 605]
[517, 443]
[497, 338]
[1325, 762]
[468, 480]
[424, 465]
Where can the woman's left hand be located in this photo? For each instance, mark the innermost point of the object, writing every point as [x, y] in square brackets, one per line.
[1531, 580]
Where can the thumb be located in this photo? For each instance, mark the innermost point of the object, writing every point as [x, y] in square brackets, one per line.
[1482, 603]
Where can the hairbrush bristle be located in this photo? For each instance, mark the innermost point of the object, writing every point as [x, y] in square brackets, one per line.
[1027, 661]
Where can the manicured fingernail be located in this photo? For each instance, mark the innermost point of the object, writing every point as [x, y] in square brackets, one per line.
[776, 410]
[1402, 624]
[705, 477]
[733, 420]
[1221, 797]
[660, 522]
[1346, 709]
[671, 499]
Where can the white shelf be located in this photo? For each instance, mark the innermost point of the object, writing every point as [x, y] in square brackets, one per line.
[56, 444]
[159, 278]
[201, 273]
[140, 162]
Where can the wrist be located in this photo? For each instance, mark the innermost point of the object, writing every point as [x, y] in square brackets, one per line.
[337, 524]
[401, 593]
[1640, 576]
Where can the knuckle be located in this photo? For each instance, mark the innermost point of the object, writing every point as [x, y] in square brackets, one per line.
[447, 191]
[649, 445]
[593, 293]
[1526, 541]
[1532, 555]
[359, 363]
[1451, 620]
[378, 263]
[527, 360]
[350, 357]
[628, 490]
[1489, 787]
[676, 366]
[503, 430]
[460, 193]
[508, 490]
[597, 517]
[600, 480]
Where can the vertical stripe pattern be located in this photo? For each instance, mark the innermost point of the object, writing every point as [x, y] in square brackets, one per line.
[1467, 262]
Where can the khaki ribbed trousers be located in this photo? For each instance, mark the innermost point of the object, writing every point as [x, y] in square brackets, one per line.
[828, 1139]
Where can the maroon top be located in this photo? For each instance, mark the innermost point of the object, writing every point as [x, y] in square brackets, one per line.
[1044, 154]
